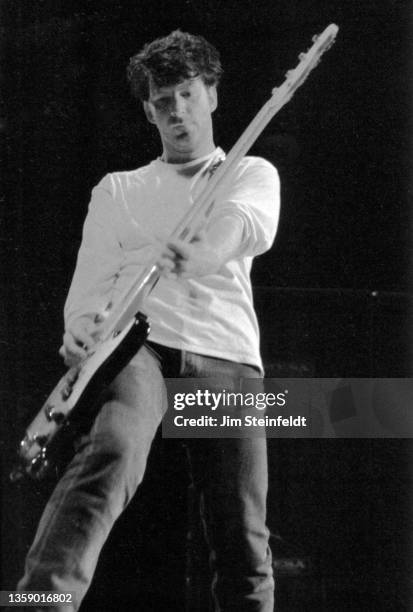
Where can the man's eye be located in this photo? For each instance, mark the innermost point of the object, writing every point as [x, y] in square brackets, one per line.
[186, 94]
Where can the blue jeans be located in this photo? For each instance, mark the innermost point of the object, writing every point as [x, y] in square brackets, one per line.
[231, 475]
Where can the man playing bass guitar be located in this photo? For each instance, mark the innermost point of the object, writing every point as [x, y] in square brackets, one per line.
[202, 324]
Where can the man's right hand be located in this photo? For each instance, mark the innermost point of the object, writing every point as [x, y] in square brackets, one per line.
[77, 340]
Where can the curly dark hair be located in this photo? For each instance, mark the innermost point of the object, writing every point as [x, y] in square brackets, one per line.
[169, 60]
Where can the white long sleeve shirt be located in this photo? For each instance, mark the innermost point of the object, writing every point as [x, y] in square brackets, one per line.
[131, 212]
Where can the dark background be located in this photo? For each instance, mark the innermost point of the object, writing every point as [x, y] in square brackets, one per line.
[332, 295]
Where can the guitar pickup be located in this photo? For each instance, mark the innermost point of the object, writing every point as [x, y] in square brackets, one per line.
[72, 375]
[66, 392]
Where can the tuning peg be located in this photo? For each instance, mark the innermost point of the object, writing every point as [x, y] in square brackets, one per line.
[301, 56]
[315, 38]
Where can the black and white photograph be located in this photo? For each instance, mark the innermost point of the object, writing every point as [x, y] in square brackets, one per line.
[206, 314]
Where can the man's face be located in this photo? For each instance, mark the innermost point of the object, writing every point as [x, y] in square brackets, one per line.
[182, 114]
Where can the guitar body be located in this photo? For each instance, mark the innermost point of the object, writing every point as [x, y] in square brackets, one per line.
[73, 404]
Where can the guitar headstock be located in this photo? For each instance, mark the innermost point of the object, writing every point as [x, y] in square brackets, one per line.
[308, 60]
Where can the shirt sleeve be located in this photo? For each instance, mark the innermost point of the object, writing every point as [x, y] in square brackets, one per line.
[99, 258]
[254, 197]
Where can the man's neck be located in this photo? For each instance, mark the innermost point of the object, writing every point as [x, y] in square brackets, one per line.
[177, 157]
[187, 160]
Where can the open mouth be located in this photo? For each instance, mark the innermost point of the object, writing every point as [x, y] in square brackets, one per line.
[179, 129]
[181, 133]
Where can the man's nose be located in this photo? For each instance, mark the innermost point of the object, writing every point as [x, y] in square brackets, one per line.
[178, 107]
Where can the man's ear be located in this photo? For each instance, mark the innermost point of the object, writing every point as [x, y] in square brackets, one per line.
[213, 97]
[148, 112]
